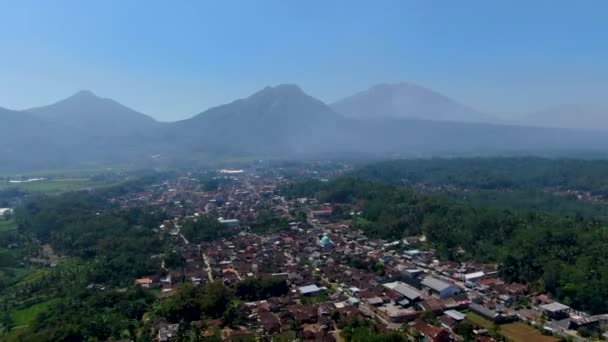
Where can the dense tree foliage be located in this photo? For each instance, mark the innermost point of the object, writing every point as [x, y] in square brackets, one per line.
[562, 254]
[251, 289]
[84, 224]
[205, 228]
[494, 173]
[269, 222]
[90, 315]
[192, 303]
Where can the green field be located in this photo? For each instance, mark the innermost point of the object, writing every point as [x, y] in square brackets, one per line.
[57, 186]
[516, 332]
[24, 316]
[7, 225]
[478, 320]
[53, 186]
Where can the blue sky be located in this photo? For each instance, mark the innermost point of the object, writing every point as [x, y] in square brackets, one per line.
[173, 59]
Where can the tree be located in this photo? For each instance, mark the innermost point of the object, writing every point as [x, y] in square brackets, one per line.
[175, 260]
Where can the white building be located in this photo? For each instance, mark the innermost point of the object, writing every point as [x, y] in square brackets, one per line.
[440, 288]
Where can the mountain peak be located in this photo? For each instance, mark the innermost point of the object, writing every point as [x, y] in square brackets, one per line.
[84, 94]
[406, 100]
[280, 90]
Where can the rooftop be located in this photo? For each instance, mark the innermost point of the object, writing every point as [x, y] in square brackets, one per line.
[555, 307]
[435, 284]
[403, 289]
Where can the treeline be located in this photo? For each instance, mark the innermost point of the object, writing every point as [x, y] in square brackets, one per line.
[560, 254]
[494, 173]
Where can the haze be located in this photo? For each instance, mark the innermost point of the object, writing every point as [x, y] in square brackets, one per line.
[173, 60]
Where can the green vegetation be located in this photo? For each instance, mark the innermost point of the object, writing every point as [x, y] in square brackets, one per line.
[53, 186]
[7, 225]
[366, 331]
[479, 321]
[269, 222]
[528, 184]
[520, 332]
[191, 303]
[205, 228]
[560, 254]
[493, 173]
[251, 289]
[23, 317]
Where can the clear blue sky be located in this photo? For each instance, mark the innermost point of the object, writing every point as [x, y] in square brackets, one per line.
[173, 59]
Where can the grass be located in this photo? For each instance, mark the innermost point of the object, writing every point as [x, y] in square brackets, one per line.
[520, 332]
[23, 317]
[32, 277]
[7, 225]
[478, 320]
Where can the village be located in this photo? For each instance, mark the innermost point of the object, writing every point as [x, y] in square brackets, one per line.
[335, 273]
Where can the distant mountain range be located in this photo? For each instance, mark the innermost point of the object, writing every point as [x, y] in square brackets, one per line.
[407, 101]
[278, 122]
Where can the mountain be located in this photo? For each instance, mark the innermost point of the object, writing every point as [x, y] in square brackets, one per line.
[406, 101]
[96, 116]
[275, 120]
[570, 116]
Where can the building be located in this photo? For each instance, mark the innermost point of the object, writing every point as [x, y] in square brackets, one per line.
[439, 287]
[325, 242]
[474, 277]
[310, 290]
[555, 310]
[484, 312]
[321, 213]
[229, 222]
[410, 293]
[3, 212]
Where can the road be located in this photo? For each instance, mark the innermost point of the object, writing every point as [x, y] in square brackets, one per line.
[207, 266]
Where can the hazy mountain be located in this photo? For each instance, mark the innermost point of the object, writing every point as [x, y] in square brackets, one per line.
[281, 119]
[570, 116]
[406, 101]
[96, 116]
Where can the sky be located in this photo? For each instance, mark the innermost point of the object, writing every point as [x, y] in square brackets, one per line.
[174, 59]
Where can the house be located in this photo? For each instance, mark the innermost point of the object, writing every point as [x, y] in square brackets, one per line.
[455, 315]
[431, 333]
[144, 282]
[166, 332]
[555, 310]
[396, 314]
[439, 287]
